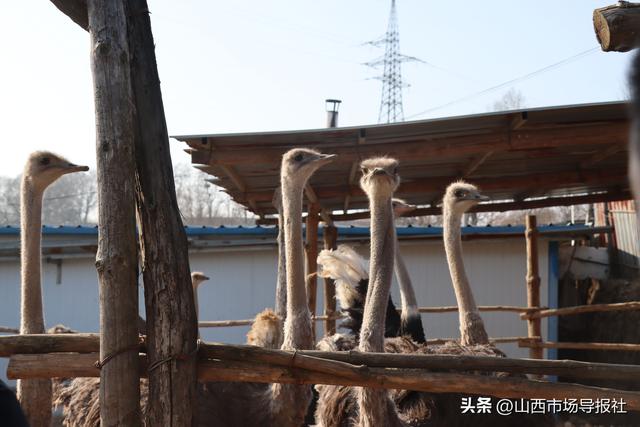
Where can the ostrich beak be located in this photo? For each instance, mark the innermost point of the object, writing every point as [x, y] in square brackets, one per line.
[205, 278]
[72, 167]
[482, 197]
[323, 159]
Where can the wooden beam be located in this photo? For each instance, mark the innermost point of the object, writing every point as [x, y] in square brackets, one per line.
[613, 195]
[579, 309]
[534, 326]
[605, 176]
[474, 164]
[519, 120]
[49, 343]
[606, 346]
[169, 300]
[76, 10]
[313, 199]
[117, 258]
[354, 169]
[330, 236]
[438, 146]
[602, 155]
[311, 251]
[310, 370]
[617, 27]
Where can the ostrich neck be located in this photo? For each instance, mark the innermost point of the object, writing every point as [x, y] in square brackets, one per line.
[407, 295]
[281, 284]
[472, 329]
[383, 243]
[289, 402]
[32, 316]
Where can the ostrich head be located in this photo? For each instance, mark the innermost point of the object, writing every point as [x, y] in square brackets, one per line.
[197, 278]
[400, 207]
[462, 196]
[379, 177]
[300, 163]
[43, 168]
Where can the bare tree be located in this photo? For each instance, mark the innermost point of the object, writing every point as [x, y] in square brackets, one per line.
[512, 99]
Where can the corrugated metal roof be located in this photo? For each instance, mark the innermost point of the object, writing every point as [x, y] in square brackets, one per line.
[517, 155]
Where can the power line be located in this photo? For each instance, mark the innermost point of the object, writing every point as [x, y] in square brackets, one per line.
[509, 82]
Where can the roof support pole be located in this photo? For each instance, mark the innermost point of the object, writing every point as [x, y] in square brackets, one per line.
[311, 249]
[330, 235]
[534, 326]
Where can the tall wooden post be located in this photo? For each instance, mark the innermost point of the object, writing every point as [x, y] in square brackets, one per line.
[534, 326]
[312, 259]
[116, 259]
[169, 299]
[330, 235]
[171, 317]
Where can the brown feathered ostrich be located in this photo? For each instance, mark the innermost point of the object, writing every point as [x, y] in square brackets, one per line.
[458, 199]
[41, 170]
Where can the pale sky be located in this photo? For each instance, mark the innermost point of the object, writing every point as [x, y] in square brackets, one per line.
[268, 65]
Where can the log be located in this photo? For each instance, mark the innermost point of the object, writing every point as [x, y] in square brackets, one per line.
[116, 258]
[338, 373]
[171, 317]
[74, 9]
[582, 345]
[579, 309]
[311, 252]
[534, 326]
[224, 323]
[47, 343]
[617, 27]
[330, 235]
[7, 330]
[565, 368]
[507, 308]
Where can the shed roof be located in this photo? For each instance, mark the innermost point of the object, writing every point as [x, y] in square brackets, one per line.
[524, 158]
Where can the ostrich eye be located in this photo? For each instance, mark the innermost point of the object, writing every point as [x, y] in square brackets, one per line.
[460, 193]
[298, 157]
[45, 161]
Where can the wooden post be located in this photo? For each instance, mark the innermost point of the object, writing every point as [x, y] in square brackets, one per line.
[311, 248]
[617, 27]
[534, 328]
[330, 235]
[169, 299]
[116, 259]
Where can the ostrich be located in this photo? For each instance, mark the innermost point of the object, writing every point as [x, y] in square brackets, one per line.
[458, 199]
[277, 404]
[281, 284]
[41, 170]
[634, 141]
[349, 270]
[411, 322]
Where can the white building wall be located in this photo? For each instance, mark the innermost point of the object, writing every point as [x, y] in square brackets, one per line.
[243, 283]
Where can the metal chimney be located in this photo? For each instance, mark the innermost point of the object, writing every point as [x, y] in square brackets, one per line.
[332, 106]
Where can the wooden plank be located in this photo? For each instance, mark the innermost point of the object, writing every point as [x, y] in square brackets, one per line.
[579, 309]
[534, 326]
[583, 345]
[169, 300]
[117, 258]
[304, 369]
[439, 183]
[474, 164]
[330, 236]
[602, 155]
[617, 26]
[49, 343]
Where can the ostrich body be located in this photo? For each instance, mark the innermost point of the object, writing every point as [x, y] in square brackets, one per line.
[458, 199]
[41, 170]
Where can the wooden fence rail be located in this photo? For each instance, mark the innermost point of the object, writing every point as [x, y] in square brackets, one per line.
[579, 309]
[303, 369]
[581, 345]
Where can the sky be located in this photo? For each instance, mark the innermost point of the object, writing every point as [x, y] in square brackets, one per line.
[255, 66]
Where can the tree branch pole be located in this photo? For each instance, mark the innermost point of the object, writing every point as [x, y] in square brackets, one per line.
[330, 235]
[579, 309]
[534, 326]
[116, 259]
[318, 371]
[617, 27]
[169, 299]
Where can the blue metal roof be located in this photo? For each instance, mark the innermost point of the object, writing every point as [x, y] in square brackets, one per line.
[351, 231]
